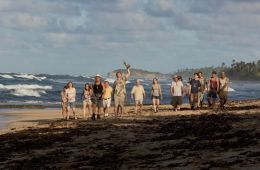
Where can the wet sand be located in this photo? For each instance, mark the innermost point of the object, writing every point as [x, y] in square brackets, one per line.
[202, 139]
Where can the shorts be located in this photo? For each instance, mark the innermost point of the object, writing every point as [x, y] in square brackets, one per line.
[71, 104]
[87, 102]
[176, 100]
[97, 101]
[119, 100]
[156, 97]
[212, 94]
[223, 95]
[137, 102]
[194, 97]
[107, 103]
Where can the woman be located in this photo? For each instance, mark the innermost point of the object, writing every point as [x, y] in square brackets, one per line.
[64, 103]
[156, 95]
[71, 97]
[87, 103]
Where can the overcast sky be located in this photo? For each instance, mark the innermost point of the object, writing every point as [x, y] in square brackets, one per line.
[89, 36]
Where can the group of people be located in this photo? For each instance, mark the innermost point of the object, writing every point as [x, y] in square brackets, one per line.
[197, 87]
[97, 97]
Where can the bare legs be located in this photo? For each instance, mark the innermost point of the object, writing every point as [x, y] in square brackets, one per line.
[156, 103]
[64, 110]
[85, 107]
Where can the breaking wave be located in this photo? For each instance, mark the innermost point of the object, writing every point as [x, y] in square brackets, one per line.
[26, 90]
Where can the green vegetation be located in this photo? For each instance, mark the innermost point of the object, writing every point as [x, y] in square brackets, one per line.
[236, 71]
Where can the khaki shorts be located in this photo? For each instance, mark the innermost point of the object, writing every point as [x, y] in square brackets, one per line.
[137, 102]
[106, 103]
[119, 100]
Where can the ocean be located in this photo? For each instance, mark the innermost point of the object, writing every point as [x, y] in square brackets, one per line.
[44, 89]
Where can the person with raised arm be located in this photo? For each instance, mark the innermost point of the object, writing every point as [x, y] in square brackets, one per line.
[119, 91]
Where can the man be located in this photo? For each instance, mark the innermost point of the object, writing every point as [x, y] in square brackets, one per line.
[138, 94]
[202, 89]
[223, 89]
[176, 92]
[120, 91]
[107, 95]
[97, 97]
[194, 91]
[213, 87]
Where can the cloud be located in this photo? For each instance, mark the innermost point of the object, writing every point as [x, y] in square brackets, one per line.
[162, 8]
[167, 29]
[23, 21]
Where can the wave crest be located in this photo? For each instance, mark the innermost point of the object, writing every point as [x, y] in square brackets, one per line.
[26, 90]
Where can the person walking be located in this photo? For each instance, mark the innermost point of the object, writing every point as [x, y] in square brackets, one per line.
[64, 102]
[194, 91]
[202, 90]
[156, 94]
[87, 103]
[223, 89]
[107, 97]
[213, 88]
[138, 94]
[97, 103]
[119, 91]
[176, 92]
[71, 97]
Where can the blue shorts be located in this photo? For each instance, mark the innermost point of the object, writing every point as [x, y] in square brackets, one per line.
[71, 104]
[212, 94]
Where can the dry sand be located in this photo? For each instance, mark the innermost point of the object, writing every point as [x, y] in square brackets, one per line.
[202, 139]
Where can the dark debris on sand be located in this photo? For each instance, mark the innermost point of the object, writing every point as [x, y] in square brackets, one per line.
[207, 141]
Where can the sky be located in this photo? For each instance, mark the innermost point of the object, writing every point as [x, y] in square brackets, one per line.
[94, 36]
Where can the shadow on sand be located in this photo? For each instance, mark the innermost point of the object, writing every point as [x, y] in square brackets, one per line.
[192, 141]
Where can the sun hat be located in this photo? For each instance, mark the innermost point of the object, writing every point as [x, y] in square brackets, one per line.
[98, 75]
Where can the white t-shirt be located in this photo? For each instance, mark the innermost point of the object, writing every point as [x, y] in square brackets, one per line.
[71, 93]
[138, 92]
[177, 88]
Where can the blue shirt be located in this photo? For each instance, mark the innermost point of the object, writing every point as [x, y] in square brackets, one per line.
[195, 85]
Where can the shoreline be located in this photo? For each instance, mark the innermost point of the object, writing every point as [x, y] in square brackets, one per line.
[24, 118]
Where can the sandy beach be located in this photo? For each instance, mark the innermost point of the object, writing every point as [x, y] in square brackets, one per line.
[201, 139]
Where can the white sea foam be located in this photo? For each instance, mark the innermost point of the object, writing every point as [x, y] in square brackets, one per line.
[110, 80]
[29, 76]
[26, 89]
[6, 76]
[231, 89]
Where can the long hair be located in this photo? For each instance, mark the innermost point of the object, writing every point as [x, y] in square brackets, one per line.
[69, 83]
[89, 87]
[155, 79]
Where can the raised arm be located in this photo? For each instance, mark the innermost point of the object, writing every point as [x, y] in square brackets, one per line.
[128, 74]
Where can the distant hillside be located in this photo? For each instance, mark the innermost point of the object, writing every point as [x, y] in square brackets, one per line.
[141, 74]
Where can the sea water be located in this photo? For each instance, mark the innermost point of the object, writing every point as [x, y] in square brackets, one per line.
[44, 89]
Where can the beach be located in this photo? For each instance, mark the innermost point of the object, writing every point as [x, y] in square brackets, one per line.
[201, 139]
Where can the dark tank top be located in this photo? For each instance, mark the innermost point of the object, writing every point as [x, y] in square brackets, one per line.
[213, 84]
[98, 89]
